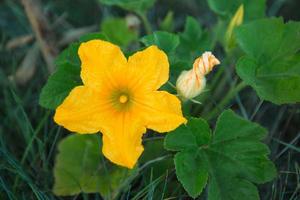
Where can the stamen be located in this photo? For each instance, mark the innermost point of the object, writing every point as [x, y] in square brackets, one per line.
[123, 99]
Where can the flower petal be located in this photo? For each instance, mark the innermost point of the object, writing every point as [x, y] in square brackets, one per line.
[81, 111]
[161, 111]
[122, 139]
[98, 59]
[151, 66]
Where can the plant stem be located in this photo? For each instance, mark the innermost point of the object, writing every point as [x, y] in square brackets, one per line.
[213, 87]
[232, 92]
[146, 23]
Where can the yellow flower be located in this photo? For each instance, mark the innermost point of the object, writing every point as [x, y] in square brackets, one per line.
[191, 83]
[119, 98]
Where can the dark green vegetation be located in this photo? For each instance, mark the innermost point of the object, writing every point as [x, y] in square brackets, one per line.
[232, 154]
[29, 138]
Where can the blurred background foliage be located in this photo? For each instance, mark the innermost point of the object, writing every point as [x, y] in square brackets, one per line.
[29, 137]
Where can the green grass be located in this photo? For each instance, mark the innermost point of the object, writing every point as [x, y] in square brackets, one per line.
[29, 137]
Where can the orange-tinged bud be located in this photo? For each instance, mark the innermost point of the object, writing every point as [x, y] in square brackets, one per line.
[191, 83]
[204, 64]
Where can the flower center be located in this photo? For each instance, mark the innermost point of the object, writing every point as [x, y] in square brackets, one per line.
[123, 98]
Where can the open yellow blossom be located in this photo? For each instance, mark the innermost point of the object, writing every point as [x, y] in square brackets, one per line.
[191, 83]
[119, 98]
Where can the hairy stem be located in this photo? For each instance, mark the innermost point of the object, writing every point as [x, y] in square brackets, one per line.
[229, 96]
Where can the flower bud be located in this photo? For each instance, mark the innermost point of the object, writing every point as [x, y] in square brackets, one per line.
[133, 22]
[235, 21]
[191, 83]
[204, 64]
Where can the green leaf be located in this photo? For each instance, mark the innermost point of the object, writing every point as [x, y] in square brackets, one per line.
[238, 188]
[59, 85]
[164, 40]
[272, 62]
[139, 6]
[93, 36]
[193, 41]
[232, 159]
[63, 80]
[191, 171]
[194, 134]
[80, 167]
[273, 40]
[254, 9]
[69, 55]
[117, 31]
[67, 74]
[192, 35]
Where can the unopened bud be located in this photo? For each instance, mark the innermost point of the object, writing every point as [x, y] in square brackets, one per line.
[236, 20]
[133, 22]
[191, 83]
[204, 64]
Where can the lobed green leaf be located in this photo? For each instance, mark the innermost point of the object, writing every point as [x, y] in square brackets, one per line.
[168, 42]
[232, 159]
[192, 34]
[272, 62]
[193, 40]
[59, 85]
[80, 167]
